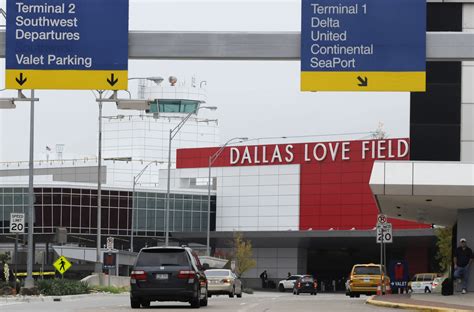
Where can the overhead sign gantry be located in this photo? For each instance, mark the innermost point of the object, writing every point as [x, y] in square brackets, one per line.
[67, 44]
[363, 45]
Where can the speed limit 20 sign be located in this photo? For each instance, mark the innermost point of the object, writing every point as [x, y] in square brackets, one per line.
[384, 233]
[17, 223]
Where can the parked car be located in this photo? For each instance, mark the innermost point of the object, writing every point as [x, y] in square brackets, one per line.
[167, 274]
[288, 283]
[422, 282]
[365, 278]
[305, 284]
[223, 282]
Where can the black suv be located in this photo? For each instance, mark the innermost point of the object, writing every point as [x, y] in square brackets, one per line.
[167, 274]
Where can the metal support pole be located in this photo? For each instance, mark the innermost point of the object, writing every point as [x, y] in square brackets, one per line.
[133, 209]
[381, 262]
[98, 264]
[15, 260]
[208, 239]
[167, 211]
[29, 281]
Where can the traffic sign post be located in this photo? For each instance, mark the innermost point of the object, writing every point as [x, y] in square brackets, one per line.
[67, 44]
[17, 225]
[62, 264]
[363, 45]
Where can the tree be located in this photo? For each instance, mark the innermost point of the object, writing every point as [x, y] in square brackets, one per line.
[243, 255]
[444, 245]
[4, 257]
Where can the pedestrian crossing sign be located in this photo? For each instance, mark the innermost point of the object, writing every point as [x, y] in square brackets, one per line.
[62, 264]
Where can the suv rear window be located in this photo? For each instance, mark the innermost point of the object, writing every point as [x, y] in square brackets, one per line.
[367, 270]
[162, 257]
[307, 279]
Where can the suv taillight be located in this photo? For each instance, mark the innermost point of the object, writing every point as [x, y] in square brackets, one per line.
[138, 275]
[298, 285]
[186, 274]
[315, 284]
[226, 281]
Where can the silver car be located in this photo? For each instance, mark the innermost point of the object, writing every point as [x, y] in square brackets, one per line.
[223, 282]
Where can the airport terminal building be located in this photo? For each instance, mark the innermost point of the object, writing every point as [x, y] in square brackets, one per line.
[307, 207]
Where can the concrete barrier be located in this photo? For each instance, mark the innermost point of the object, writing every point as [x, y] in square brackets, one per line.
[103, 280]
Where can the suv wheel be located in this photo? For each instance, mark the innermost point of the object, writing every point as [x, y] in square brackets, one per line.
[281, 288]
[203, 301]
[196, 301]
[146, 304]
[135, 304]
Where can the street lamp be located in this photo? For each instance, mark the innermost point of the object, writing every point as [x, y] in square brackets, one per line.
[212, 159]
[133, 104]
[135, 180]
[10, 103]
[173, 133]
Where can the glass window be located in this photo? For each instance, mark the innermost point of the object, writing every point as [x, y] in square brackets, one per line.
[187, 222]
[150, 224]
[367, 270]
[187, 205]
[162, 257]
[8, 199]
[160, 204]
[141, 219]
[178, 221]
[150, 203]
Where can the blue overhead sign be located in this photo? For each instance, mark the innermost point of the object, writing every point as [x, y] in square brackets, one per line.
[363, 45]
[67, 44]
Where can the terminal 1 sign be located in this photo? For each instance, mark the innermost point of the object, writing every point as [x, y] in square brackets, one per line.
[363, 45]
[67, 44]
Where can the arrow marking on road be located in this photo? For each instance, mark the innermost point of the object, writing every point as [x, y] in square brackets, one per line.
[112, 81]
[20, 80]
[364, 82]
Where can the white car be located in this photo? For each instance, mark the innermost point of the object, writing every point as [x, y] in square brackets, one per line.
[288, 283]
[422, 283]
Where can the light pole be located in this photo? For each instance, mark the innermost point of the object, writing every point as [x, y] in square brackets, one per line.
[135, 180]
[173, 133]
[129, 104]
[7, 103]
[212, 159]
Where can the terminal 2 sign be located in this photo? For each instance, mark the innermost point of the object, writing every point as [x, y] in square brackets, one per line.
[67, 44]
[363, 45]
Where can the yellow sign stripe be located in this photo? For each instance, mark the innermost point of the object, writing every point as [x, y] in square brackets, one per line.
[66, 79]
[376, 81]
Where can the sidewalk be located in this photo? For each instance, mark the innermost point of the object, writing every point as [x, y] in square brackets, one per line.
[426, 302]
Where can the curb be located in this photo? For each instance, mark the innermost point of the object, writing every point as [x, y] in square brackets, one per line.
[395, 305]
[27, 299]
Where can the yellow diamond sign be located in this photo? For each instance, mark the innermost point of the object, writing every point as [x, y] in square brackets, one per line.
[62, 264]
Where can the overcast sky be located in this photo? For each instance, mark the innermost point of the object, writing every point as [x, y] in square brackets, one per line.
[254, 98]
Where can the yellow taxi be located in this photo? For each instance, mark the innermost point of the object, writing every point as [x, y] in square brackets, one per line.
[365, 278]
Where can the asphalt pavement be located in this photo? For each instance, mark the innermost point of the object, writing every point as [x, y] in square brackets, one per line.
[257, 302]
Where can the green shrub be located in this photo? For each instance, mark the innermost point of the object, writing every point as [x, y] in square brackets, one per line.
[110, 289]
[62, 287]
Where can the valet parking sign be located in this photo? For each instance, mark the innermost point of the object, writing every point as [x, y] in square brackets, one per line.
[67, 44]
[363, 45]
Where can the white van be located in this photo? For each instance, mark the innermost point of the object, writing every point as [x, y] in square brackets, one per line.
[422, 283]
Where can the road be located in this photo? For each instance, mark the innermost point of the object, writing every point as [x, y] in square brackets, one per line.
[258, 302]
